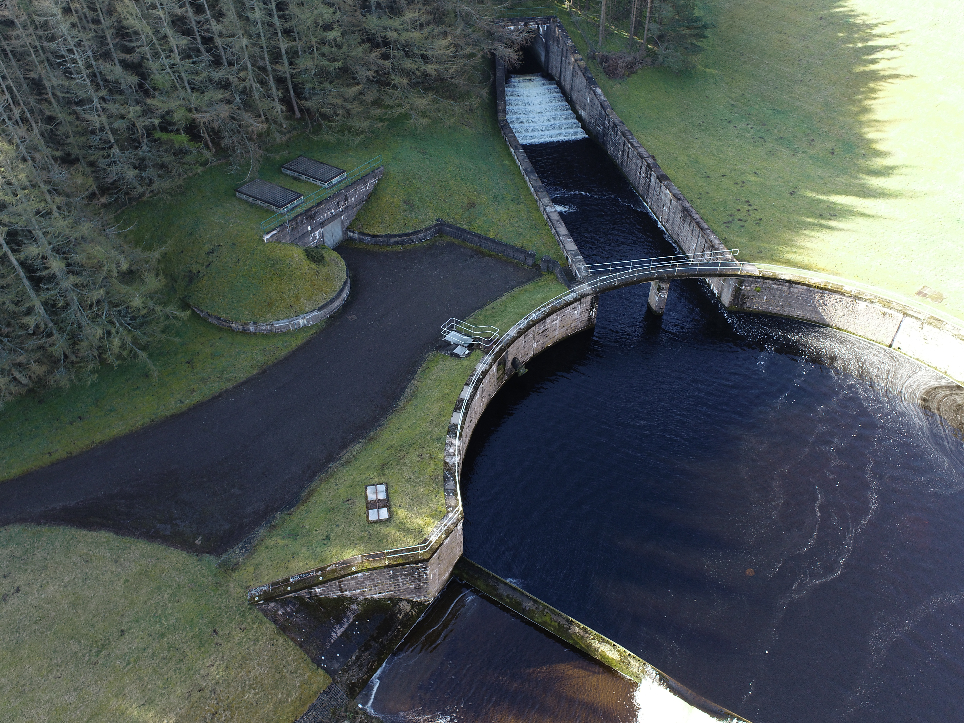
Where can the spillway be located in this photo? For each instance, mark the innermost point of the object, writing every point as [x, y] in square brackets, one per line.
[729, 496]
[537, 111]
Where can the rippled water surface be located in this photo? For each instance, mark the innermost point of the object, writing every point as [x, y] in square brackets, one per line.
[780, 536]
[469, 660]
[726, 496]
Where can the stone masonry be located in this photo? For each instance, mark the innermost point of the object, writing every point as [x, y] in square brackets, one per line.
[326, 222]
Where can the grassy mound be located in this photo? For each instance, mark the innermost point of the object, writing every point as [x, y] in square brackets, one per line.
[96, 628]
[215, 257]
[245, 287]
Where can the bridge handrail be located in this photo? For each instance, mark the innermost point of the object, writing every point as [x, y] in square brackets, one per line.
[320, 195]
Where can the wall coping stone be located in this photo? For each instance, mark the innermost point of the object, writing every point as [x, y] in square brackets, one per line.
[442, 227]
[309, 318]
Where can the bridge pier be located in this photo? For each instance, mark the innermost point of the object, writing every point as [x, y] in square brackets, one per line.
[658, 293]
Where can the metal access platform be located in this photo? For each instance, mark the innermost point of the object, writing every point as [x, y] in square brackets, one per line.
[459, 338]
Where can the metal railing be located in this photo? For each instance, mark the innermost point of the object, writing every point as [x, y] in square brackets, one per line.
[318, 196]
[660, 262]
[485, 335]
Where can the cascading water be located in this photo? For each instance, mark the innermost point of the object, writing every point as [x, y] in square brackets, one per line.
[537, 111]
[730, 497]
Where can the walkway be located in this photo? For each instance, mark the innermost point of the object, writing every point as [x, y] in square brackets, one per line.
[207, 478]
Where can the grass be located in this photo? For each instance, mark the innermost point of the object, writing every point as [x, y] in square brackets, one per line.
[100, 627]
[820, 134]
[462, 173]
[96, 627]
[214, 254]
[197, 362]
[406, 452]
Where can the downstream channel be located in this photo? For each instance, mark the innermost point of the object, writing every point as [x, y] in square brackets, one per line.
[751, 504]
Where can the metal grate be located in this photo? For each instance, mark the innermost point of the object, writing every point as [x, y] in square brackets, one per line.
[268, 195]
[308, 169]
[376, 503]
[322, 193]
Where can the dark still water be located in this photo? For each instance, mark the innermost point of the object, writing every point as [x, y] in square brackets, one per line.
[727, 496]
[471, 661]
[715, 494]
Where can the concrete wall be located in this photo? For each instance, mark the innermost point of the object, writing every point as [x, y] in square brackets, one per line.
[935, 342]
[486, 243]
[326, 222]
[573, 314]
[415, 581]
[574, 258]
[410, 572]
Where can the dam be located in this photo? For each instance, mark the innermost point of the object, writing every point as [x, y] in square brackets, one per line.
[767, 510]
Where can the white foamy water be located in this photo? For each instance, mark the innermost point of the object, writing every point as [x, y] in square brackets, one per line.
[537, 112]
[655, 703]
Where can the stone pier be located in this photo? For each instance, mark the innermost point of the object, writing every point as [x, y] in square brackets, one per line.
[658, 294]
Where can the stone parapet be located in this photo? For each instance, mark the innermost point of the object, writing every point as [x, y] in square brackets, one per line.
[440, 227]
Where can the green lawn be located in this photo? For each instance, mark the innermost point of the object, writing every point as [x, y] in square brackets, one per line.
[96, 627]
[820, 134]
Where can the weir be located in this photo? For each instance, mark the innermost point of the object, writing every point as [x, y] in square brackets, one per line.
[538, 112]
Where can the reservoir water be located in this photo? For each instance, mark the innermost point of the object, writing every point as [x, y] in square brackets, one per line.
[733, 498]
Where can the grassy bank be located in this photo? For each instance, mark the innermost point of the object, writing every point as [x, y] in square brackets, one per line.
[462, 173]
[197, 362]
[819, 134]
[96, 627]
[406, 452]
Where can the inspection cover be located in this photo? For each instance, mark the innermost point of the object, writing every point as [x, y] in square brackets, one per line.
[308, 169]
[268, 195]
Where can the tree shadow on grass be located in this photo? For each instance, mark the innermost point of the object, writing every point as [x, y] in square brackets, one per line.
[773, 137]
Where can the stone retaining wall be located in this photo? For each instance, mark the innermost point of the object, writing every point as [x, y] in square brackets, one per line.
[370, 574]
[514, 350]
[486, 243]
[326, 222]
[421, 580]
[276, 327]
[913, 331]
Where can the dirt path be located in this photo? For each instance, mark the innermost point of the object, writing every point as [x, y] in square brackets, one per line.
[205, 479]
